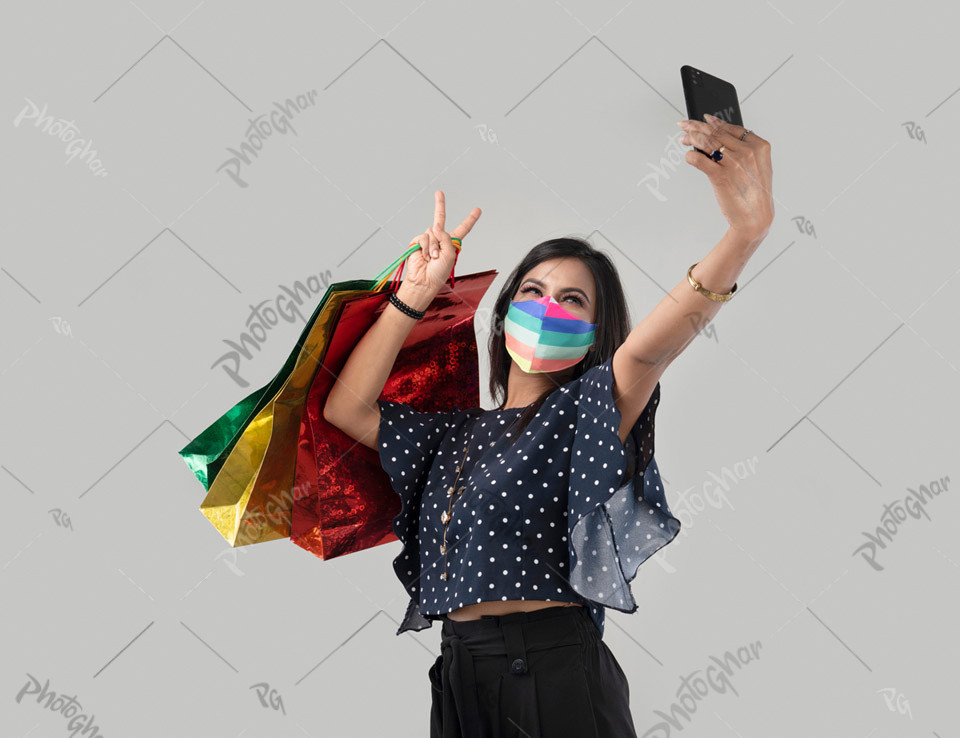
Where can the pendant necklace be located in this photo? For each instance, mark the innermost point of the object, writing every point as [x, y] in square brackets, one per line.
[454, 493]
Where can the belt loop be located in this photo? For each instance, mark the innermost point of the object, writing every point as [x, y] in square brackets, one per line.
[516, 650]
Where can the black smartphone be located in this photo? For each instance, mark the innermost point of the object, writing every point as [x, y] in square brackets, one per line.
[705, 93]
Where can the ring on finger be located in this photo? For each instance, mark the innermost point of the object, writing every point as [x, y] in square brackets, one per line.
[717, 154]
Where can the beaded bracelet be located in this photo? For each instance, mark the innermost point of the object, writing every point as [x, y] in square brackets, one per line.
[404, 308]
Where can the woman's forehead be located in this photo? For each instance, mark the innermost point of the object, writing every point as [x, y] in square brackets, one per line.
[562, 272]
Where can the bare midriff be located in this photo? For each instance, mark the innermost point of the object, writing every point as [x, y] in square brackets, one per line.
[504, 607]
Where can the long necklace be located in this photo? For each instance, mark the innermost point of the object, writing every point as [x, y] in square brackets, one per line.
[454, 492]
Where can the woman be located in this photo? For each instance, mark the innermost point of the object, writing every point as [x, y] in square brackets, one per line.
[523, 523]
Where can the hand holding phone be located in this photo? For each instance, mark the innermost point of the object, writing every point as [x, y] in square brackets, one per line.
[742, 176]
[705, 93]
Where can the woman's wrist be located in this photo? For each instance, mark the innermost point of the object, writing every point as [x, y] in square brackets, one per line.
[416, 296]
[749, 238]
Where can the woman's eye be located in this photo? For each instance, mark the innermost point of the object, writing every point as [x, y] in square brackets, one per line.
[568, 297]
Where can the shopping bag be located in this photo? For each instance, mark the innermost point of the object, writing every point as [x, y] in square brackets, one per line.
[248, 502]
[343, 500]
[247, 458]
[205, 454]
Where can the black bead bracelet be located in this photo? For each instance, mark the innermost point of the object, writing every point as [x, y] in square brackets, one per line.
[404, 308]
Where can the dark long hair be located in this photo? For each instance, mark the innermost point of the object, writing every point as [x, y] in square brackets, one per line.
[610, 314]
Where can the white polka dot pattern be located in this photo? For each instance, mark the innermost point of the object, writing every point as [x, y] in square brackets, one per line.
[618, 513]
[543, 515]
[408, 442]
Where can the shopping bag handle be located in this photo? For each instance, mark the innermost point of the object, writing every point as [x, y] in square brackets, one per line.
[396, 267]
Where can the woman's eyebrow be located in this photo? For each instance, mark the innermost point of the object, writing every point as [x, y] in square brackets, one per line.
[565, 289]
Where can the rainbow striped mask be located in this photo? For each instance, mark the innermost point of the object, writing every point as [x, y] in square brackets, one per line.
[542, 336]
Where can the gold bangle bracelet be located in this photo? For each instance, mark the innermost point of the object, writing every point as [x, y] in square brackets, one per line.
[715, 296]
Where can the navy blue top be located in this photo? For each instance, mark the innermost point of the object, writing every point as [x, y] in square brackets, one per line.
[563, 512]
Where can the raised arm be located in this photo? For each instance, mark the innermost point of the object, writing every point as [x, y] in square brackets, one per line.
[352, 402]
[742, 182]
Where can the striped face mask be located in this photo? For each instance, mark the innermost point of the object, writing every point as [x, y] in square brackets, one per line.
[542, 336]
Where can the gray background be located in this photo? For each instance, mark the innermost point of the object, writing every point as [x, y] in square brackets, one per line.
[826, 390]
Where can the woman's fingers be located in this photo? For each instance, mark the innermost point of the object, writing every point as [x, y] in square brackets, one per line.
[742, 181]
[437, 231]
[724, 132]
[465, 227]
[705, 141]
[707, 137]
[440, 210]
[444, 239]
[701, 141]
[424, 240]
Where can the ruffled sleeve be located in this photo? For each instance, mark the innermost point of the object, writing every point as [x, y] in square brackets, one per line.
[617, 511]
[408, 442]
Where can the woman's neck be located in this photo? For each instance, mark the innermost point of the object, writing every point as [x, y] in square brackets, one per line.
[523, 388]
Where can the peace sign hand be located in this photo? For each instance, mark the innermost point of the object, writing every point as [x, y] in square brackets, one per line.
[742, 180]
[431, 265]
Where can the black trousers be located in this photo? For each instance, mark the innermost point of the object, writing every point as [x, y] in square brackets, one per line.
[540, 674]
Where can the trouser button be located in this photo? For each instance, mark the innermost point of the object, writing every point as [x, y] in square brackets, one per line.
[519, 666]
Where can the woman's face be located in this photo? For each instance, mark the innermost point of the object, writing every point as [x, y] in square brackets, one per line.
[569, 281]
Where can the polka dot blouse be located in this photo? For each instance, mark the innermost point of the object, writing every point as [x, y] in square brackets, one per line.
[563, 511]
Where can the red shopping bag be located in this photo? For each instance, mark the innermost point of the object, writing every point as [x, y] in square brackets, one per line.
[342, 499]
